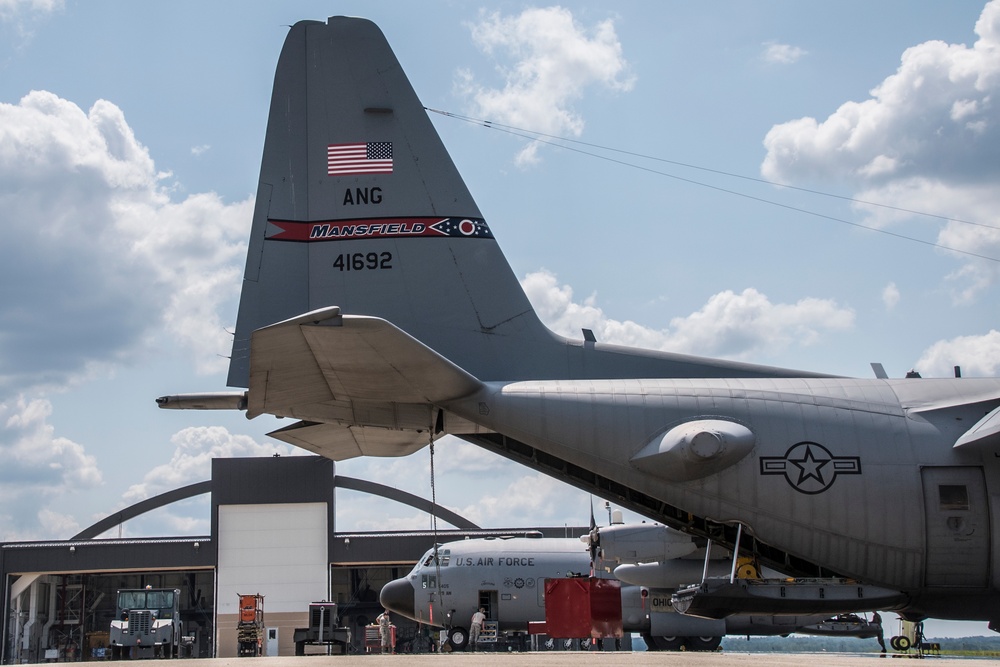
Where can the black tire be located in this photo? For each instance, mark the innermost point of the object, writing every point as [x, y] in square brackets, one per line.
[668, 643]
[300, 648]
[903, 643]
[650, 643]
[458, 638]
[703, 643]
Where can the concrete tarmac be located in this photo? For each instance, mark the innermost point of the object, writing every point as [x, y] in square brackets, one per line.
[581, 659]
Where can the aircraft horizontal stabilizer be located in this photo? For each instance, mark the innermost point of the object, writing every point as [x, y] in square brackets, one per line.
[309, 363]
[361, 386]
[346, 442]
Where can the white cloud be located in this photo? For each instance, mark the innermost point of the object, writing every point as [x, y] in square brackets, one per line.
[90, 219]
[454, 460]
[56, 524]
[533, 499]
[781, 54]
[927, 139]
[547, 61]
[730, 325]
[979, 356]
[194, 449]
[40, 471]
[525, 499]
[10, 9]
[742, 324]
[198, 151]
[32, 451]
[96, 252]
[890, 296]
[191, 462]
[483, 487]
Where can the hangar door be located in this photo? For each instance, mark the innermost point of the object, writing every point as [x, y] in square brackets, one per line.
[957, 526]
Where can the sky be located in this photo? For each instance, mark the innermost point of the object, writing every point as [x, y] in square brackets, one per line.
[810, 185]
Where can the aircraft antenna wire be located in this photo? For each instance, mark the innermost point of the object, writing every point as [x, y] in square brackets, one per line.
[558, 142]
[534, 134]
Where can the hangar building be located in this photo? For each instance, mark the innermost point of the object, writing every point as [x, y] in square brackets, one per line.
[273, 533]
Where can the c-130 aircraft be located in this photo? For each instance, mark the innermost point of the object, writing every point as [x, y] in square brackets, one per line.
[378, 310]
[506, 577]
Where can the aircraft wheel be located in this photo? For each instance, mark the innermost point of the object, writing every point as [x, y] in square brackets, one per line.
[703, 643]
[668, 643]
[458, 638]
[900, 643]
[650, 642]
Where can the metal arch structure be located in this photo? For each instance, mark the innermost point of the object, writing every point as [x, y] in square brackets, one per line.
[143, 506]
[376, 489]
[199, 488]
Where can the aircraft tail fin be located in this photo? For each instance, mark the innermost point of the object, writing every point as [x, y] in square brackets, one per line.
[360, 206]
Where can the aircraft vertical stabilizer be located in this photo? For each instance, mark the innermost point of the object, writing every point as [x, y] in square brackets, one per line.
[360, 206]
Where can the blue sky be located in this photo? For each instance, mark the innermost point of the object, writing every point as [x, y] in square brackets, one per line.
[130, 140]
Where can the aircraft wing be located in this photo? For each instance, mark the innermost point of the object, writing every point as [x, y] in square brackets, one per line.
[985, 432]
[937, 399]
[362, 386]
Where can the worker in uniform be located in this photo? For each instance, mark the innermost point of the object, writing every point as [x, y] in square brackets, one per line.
[476, 626]
[385, 631]
[877, 622]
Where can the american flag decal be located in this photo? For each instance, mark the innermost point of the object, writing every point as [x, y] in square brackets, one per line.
[372, 157]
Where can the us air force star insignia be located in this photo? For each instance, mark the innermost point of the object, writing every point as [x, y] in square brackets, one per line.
[810, 467]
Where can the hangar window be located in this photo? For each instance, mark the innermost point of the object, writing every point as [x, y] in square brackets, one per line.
[953, 496]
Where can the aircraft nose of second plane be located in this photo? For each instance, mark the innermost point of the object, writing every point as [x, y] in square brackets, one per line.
[397, 596]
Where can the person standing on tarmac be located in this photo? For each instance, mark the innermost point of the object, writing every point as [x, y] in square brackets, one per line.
[385, 631]
[476, 626]
[877, 621]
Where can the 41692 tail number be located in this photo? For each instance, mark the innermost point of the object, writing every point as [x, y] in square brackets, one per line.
[360, 261]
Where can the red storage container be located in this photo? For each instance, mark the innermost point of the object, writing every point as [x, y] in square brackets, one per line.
[583, 607]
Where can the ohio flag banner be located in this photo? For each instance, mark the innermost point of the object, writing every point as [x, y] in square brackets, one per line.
[372, 157]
